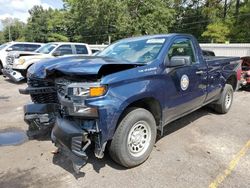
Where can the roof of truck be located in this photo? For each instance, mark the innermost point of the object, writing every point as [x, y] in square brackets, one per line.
[68, 43]
[160, 35]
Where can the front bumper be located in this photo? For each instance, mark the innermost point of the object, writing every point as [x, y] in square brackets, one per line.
[12, 74]
[40, 118]
[70, 138]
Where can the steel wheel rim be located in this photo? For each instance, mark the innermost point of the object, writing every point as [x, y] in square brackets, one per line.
[228, 100]
[139, 138]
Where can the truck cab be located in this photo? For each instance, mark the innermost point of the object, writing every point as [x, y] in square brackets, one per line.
[124, 95]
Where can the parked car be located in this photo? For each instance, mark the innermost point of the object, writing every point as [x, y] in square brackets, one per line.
[245, 74]
[17, 67]
[125, 94]
[15, 46]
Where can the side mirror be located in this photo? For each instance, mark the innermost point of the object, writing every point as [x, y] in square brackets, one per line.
[177, 61]
[56, 53]
[9, 49]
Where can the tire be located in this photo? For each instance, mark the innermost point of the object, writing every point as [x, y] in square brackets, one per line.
[224, 104]
[1, 67]
[137, 126]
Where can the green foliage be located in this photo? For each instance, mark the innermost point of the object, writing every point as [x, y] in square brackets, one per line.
[95, 20]
[13, 29]
[55, 37]
[241, 27]
[2, 40]
[37, 26]
[217, 32]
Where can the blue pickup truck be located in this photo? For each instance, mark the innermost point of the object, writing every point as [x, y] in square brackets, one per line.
[120, 98]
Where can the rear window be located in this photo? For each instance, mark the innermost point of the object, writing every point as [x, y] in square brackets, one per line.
[81, 49]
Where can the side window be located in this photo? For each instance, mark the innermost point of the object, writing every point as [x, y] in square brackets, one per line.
[31, 47]
[81, 49]
[64, 49]
[17, 47]
[182, 47]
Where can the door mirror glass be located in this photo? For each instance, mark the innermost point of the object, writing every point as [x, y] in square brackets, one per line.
[176, 61]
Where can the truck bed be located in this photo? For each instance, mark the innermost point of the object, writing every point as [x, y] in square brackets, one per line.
[220, 59]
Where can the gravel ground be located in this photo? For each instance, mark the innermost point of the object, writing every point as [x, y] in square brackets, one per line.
[200, 150]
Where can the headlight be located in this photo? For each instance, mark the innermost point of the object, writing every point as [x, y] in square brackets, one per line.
[90, 91]
[79, 91]
[21, 61]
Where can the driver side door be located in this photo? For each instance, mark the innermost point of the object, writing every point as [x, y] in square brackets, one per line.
[187, 82]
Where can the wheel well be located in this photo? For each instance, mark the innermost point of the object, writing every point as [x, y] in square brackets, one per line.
[232, 80]
[150, 104]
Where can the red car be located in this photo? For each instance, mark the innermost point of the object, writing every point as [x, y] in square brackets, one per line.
[245, 73]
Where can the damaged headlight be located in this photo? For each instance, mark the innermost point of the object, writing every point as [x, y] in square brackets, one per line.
[79, 91]
[89, 91]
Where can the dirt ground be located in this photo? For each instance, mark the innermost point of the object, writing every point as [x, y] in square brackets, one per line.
[203, 149]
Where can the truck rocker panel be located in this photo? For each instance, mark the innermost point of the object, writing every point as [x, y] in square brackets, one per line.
[124, 95]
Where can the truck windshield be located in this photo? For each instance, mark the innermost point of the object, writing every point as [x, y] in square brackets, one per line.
[46, 49]
[135, 50]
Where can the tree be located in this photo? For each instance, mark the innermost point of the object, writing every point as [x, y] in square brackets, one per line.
[240, 29]
[2, 40]
[58, 26]
[150, 17]
[13, 29]
[94, 21]
[37, 27]
[217, 32]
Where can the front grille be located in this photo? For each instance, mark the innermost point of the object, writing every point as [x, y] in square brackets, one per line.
[45, 97]
[39, 83]
[10, 60]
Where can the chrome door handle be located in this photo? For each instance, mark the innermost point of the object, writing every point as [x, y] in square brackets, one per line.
[199, 72]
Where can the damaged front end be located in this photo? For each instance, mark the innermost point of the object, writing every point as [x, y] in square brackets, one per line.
[59, 105]
[76, 125]
[41, 114]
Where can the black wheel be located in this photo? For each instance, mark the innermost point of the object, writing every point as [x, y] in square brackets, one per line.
[134, 138]
[223, 105]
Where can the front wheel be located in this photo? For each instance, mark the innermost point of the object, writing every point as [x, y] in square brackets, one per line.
[223, 105]
[134, 138]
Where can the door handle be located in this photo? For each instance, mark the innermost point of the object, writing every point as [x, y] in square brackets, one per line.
[199, 72]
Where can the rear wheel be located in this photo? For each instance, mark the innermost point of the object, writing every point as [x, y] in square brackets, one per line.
[224, 104]
[134, 138]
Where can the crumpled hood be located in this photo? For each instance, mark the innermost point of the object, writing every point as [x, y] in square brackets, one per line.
[77, 66]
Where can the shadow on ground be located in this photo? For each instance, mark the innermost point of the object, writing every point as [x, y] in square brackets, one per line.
[186, 120]
[16, 83]
[244, 88]
[65, 163]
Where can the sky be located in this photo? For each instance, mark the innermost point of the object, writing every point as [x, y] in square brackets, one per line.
[19, 8]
